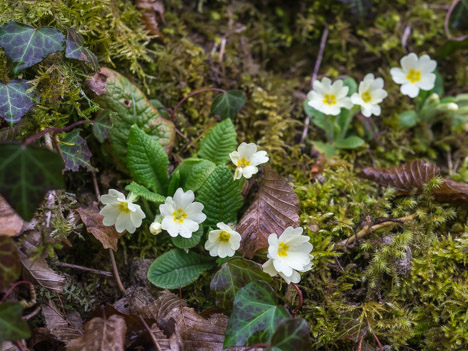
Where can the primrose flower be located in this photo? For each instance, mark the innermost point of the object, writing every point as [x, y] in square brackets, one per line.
[223, 242]
[156, 227]
[288, 255]
[121, 211]
[181, 215]
[414, 74]
[246, 159]
[370, 94]
[329, 98]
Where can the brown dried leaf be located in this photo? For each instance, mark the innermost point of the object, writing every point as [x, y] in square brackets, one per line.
[64, 329]
[151, 8]
[10, 222]
[275, 208]
[412, 176]
[101, 335]
[108, 236]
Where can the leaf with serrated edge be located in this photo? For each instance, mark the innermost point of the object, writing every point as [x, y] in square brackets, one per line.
[255, 317]
[147, 161]
[220, 141]
[177, 269]
[26, 174]
[188, 243]
[291, 334]
[12, 326]
[26, 45]
[228, 104]
[75, 49]
[16, 100]
[233, 275]
[146, 194]
[220, 196]
[275, 208]
[10, 223]
[75, 152]
[10, 264]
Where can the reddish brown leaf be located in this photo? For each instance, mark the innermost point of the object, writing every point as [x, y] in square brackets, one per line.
[318, 166]
[10, 222]
[151, 8]
[107, 235]
[275, 208]
[101, 335]
[98, 83]
[412, 176]
[65, 329]
[10, 264]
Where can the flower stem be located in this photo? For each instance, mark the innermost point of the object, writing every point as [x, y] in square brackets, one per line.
[13, 287]
[34, 137]
[301, 299]
[329, 132]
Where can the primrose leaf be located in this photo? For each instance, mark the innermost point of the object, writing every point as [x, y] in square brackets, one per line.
[228, 104]
[12, 325]
[255, 317]
[16, 100]
[75, 49]
[408, 119]
[177, 269]
[351, 84]
[147, 161]
[220, 141]
[200, 173]
[188, 243]
[174, 184]
[317, 116]
[10, 264]
[146, 194]
[221, 197]
[75, 152]
[233, 275]
[26, 174]
[351, 142]
[26, 45]
[291, 334]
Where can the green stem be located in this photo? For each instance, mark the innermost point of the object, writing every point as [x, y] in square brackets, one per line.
[147, 208]
[329, 132]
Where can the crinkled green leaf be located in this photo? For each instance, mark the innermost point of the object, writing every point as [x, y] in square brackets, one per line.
[233, 275]
[187, 243]
[10, 264]
[177, 268]
[255, 317]
[351, 84]
[220, 141]
[75, 49]
[26, 174]
[221, 197]
[199, 174]
[75, 152]
[16, 100]
[291, 334]
[408, 119]
[351, 142]
[174, 184]
[228, 104]
[12, 326]
[147, 161]
[102, 126]
[325, 148]
[140, 190]
[25, 45]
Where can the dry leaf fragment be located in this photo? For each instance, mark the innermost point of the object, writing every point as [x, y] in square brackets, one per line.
[275, 208]
[151, 8]
[101, 335]
[91, 218]
[64, 329]
[10, 222]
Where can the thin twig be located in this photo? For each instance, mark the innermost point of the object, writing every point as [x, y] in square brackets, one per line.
[19, 345]
[301, 299]
[192, 94]
[116, 271]
[54, 130]
[376, 339]
[33, 313]
[155, 341]
[96, 186]
[13, 287]
[86, 269]
[447, 22]
[181, 306]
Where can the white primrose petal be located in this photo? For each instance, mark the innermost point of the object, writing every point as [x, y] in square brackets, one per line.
[247, 150]
[376, 110]
[234, 157]
[259, 158]
[409, 61]
[290, 232]
[108, 199]
[342, 92]
[426, 65]
[378, 83]
[170, 226]
[356, 99]
[295, 277]
[213, 235]
[269, 268]
[326, 83]
[409, 89]
[398, 75]
[282, 267]
[427, 81]
[317, 86]
[249, 171]
[366, 111]
[121, 222]
[183, 199]
[369, 77]
[167, 208]
[187, 228]
[238, 173]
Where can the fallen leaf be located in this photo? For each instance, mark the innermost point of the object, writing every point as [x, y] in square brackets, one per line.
[412, 176]
[10, 264]
[107, 235]
[318, 166]
[275, 208]
[97, 83]
[151, 9]
[10, 222]
[64, 329]
[101, 335]
[75, 152]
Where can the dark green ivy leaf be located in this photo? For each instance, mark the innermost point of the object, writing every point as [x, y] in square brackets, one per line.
[25, 45]
[75, 49]
[12, 326]
[228, 104]
[291, 334]
[75, 152]
[16, 100]
[26, 174]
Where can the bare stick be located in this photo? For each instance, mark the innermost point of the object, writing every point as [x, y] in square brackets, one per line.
[155, 341]
[86, 269]
[13, 287]
[447, 21]
[34, 137]
[116, 271]
[96, 186]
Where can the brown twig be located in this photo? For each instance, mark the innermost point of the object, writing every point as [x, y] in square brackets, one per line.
[376, 339]
[54, 130]
[193, 93]
[116, 271]
[301, 299]
[369, 229]
[13, 287]
[86, 269]
[181, 306]
[33, 313]
[155, 341]
[447, 22]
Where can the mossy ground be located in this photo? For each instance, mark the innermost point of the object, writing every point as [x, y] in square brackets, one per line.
[415, 302]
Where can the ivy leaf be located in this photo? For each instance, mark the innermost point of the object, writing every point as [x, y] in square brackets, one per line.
[26, 174]
[102, 126]
[75, 49]
[26, 45]
[75, 152]
[351, 142]
[177, 269]
[12, 325]
[255, 317]
[188, 243]
[233, 275]
[16, 100]
[147, 161]
[220, 141]
[221, 197]
[140, 190]
[228, 104]
[291, 334]
[275, 208]
[10, 264]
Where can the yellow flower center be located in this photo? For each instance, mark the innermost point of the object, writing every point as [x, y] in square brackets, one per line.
[366, 97]
[179, 215]
[242, 163]
[123, 207]
[413, 76]
[224, 236]
[329, 99]
[283, 249]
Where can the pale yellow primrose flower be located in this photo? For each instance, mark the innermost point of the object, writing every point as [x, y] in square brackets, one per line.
[121, 211]
[223, 242]
[155, 228]
[414, 74]
[329, 98]
[182, 215]
[370, 94]
[246, 159]
[288, 255]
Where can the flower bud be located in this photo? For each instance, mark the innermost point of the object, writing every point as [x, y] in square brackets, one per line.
[155, 228]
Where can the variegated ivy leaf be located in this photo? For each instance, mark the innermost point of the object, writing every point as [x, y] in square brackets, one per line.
[75, 49]
[75, 152]
[16, 100]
